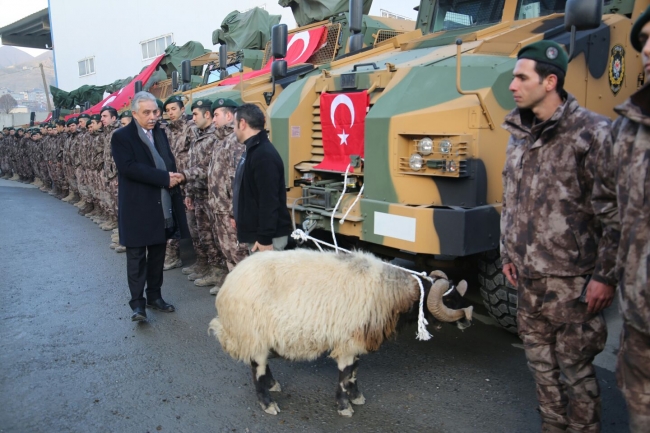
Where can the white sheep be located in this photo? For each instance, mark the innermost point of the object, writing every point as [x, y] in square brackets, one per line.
[300, 304]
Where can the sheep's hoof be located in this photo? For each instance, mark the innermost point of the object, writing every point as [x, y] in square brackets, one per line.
[359, 400]
[347, 412]
[276, 387]
[272, 408]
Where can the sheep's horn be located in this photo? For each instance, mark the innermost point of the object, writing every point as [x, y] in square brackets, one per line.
[437, 275]
[439, 310]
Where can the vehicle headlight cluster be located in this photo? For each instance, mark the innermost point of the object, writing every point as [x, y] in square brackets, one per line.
[426, 147]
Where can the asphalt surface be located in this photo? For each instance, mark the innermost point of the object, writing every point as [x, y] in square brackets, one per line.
[72, 361]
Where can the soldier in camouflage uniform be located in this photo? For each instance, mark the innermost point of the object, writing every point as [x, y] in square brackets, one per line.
[552, 241]
[200, 154]
[81, 161]
[4, 166]
[96, 168]
[180, 133]
[221, 173]
[62, 184]
[629, 165]
[111, 124]
[68, 161]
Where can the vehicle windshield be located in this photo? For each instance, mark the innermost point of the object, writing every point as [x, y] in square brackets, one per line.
[457, 14]
[538, 8]
[215, 74]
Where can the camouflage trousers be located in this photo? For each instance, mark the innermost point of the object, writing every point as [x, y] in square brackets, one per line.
[201, 253]
[205, 227]
[111, 197]
[82, 184]
[560, 355]
[233, 251]
[633, 376]
[71, 177]
[173, 251]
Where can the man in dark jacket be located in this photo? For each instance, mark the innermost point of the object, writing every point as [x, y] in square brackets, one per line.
[150, 206]
[259, 191]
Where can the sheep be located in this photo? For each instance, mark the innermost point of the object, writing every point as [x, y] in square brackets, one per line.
[300, 304]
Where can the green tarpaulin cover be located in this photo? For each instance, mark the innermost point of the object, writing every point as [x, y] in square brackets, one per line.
[246, 30]
[63, 99]
[174, 55]
[311, 11]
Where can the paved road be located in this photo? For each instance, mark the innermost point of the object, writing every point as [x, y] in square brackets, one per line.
[72, 361]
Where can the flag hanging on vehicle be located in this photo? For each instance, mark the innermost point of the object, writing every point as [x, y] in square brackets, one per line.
[343, 121]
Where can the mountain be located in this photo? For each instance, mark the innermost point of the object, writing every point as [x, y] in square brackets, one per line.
[27, 74]
[10, 56]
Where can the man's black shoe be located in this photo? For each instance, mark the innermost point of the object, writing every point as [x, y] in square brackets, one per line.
[139, 315]
[161, 305]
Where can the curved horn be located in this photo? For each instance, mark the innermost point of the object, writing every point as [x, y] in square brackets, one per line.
[438, 274]
[439, 310]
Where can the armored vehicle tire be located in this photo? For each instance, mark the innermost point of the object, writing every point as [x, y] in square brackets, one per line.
[499, 296]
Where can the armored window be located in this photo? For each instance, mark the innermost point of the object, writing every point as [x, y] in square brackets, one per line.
[152, 48]
[86, 66]
[539, 8]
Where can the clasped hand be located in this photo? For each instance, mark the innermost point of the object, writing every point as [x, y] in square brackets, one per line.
[175, 179]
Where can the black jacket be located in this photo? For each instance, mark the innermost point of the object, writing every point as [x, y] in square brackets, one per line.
[262, 212]
[140, 216]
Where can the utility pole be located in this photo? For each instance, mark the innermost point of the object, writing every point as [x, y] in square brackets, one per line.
[47, 91]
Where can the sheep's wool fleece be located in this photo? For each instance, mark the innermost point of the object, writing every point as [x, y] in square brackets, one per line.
[303, 303]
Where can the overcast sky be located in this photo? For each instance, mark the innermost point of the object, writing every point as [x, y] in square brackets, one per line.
[13, 10]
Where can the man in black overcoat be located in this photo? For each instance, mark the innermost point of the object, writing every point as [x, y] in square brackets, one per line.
[150, 203]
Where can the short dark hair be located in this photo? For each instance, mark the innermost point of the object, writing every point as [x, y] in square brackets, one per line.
[204, 110]
[60, 123]
[253, 116]
[179, 103]
[546, 69]
[229, 109]
[111, 110]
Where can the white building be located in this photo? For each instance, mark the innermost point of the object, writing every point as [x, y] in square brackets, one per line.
[98, 43]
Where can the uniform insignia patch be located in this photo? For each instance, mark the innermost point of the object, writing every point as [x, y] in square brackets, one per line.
[616, 68]
[220, 101]
[551, 53]
[199, 103]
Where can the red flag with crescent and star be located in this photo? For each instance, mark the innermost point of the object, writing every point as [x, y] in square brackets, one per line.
[343, 120]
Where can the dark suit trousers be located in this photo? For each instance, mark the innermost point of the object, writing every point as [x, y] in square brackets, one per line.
[145, 265]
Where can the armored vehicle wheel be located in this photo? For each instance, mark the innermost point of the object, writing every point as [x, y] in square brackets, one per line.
[499, 296]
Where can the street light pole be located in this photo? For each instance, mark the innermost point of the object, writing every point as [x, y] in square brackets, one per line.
[47, 92]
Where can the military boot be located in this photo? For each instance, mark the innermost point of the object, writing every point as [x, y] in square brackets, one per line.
[15, 177]
[199, 272]
[63, 193]
[87, 208]
[190, 269]
[68, 197]
[37, 182]
[172, 263]
[109, 225]
[213, 277]
[54, 190]
[120, 249]
[113, 245]
[75, 198]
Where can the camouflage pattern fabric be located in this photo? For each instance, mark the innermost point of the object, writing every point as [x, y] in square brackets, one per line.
[548, 225]
[560, 356]
[205, 224]
[633, 372]
[200, 154]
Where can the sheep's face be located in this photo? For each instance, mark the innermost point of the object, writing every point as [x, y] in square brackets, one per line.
[454, 299]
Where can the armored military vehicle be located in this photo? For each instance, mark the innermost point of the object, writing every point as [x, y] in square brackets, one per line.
[416, 123]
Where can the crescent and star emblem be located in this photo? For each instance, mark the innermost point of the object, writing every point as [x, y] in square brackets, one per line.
[302, 36]
[345, 100]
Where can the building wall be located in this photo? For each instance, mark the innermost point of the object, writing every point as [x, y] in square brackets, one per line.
[111, 31]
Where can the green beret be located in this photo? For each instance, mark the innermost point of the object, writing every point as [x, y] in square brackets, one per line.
[172, 99]
[20, 129]
[72, 121]
[223, 102]
[126, 113]
[84, 116]
[202, 103]
[10, 128]
[96, 117]
[548, 52]
[5, 127]
[160, 104]
[636, 29]
[49, 126]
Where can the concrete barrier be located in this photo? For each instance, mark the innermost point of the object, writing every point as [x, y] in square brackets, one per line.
[20, 119]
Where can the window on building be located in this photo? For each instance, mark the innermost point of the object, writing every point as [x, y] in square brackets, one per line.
[155, 47]
[86, 66]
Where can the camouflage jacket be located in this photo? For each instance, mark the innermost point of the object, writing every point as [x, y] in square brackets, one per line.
[68, 145]
[200, 155]
[76, 149]
[548, 225]
[110, 170]
[631, 159]
[181, 133]
[221, 173]
[96, 150]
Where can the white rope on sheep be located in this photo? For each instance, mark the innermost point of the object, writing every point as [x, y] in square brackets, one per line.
[299, 235]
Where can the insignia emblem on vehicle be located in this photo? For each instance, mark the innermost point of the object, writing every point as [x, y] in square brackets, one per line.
[616, 68]
[551, 53]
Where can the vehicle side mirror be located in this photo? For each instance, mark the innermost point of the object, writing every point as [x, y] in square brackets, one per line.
[223, 57]
[186, 71]
[356, 16]
[581, 15]
[279, 69]
[279, 41]
[137, 86]
[174, 81]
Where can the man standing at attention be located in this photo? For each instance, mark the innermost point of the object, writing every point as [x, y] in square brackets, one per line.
[150, 206]
[552, 247]
[260, 194]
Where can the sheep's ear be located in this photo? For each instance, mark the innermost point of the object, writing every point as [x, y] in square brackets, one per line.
[461, 288]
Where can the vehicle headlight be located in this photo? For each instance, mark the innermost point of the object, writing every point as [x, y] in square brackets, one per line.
[416, 162]
[445, 146]
[425, 146]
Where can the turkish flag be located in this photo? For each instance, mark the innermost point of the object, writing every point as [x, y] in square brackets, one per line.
[343, 120]
[300, 48]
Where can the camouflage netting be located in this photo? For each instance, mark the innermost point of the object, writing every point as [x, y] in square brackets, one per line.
[174, 55]
[63, 99]
[248, 30]
[311, 11]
